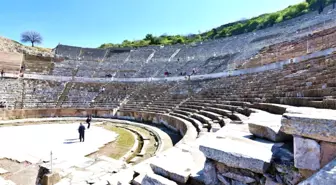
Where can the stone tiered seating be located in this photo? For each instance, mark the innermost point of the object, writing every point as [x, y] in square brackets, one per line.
[91, 54]
[114, 95]
[111, 65]
[316, 41]
[145, 94]
[302, 84]
[68, 52]
[280, 42]
[87, 68]
[11, 93]
[38, 65]
[162, 57]
[65, 68]
[81, 95]
[41, 94]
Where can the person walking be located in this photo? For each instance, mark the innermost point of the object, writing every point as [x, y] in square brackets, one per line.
[88, 120]
[81, 131]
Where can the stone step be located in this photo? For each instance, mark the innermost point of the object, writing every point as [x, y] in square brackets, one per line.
[186, 113]
[235, 148]
[197, 124]
[197, 107]
[166, 165]
[212, 115]
[188, 109]
[202, 118]
[227, 113]
[265, 125]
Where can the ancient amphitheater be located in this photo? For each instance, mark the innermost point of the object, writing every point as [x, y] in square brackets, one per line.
[257, 108]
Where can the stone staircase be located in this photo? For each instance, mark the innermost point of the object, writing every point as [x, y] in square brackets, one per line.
[64, 94]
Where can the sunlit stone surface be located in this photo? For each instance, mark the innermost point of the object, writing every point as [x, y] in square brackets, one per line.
[34, 143]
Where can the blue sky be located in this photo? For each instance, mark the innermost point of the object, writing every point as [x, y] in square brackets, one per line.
[91, 23]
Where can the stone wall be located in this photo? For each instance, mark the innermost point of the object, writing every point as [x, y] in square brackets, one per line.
[10, 62]
[57, 112]
[184, 127]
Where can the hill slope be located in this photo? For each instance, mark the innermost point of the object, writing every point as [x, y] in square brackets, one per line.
[8, 45]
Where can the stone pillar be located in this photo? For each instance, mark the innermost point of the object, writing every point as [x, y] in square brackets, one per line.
[307, 154]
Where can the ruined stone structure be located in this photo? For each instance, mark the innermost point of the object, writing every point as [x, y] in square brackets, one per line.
[260, 110]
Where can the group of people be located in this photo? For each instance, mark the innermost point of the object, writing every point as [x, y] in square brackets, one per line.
[193, 72]
[81, 129]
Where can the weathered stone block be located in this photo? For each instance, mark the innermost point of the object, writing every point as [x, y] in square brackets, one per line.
[223, 179]
[328, 152]
[270, 131]
[319, 124]
[238, 153]
[327, 175]
[238, 177]
[209, 173]
[153, 179]
[167, 165]
[50, 179]
[307, 153]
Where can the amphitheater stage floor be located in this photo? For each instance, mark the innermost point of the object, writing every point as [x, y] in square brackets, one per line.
[34, 143]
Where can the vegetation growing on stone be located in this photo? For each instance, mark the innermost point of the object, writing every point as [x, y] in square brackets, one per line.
[227, 30]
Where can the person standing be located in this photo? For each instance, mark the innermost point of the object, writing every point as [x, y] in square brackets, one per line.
[2, 73]
[81, 131]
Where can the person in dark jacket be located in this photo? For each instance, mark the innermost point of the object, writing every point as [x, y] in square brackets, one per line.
[88, 120]
[81, 131]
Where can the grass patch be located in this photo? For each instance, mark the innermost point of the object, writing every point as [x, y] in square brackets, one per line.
[42, 49]
[122, 145]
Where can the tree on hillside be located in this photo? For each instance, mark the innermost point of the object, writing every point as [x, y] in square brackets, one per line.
[32, 37]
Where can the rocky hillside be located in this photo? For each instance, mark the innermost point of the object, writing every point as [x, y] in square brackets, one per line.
[9, 45]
